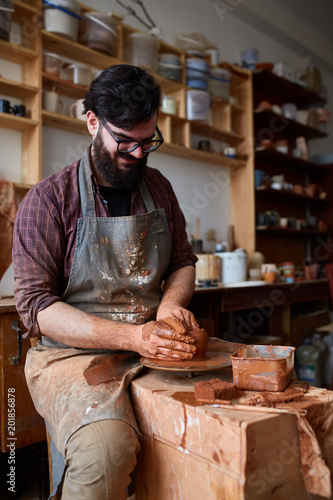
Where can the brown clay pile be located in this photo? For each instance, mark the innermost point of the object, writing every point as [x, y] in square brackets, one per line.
[295, 390]
[214, 390]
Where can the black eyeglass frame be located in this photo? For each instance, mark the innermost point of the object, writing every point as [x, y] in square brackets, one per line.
[137, 143]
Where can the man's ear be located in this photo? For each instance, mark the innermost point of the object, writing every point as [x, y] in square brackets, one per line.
[92, 123]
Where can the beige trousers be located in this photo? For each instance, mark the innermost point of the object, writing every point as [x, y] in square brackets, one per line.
[99, 458]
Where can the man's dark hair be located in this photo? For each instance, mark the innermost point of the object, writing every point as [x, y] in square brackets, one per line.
[124, 95]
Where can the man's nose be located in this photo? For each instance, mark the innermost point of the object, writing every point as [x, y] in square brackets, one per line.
[138, 152]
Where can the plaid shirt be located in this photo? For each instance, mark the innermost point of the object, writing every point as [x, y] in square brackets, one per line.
[45, 236]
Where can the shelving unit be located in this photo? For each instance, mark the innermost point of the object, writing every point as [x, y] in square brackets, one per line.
[276, 243]
[231, 123]
[28, 55]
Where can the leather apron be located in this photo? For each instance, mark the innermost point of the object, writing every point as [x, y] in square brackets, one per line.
[118, 266]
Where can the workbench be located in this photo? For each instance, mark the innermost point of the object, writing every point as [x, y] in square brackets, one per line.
[269, 308]
[190, 450]
[29, 427]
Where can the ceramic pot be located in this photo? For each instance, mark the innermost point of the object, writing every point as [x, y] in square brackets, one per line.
[201, 342]
[311, 271]
[269, 277]
[298, 189]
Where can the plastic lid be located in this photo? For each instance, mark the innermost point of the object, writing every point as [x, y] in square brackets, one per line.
[70, 5]
[6, 6]
[93, 17]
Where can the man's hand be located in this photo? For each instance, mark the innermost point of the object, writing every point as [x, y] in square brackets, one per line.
[185, 316]
[167, 339]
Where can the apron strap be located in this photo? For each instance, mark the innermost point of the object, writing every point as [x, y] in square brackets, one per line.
[85, 187]
[87, 195]
[146, 196]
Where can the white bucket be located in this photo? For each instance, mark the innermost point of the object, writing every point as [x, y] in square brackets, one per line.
[198, 105]
[141, 49]
[233, 266]
[62, 17]
[79, 74]
[219, 83]
[98, 31]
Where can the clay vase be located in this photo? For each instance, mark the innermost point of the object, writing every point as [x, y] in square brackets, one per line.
[201, 342]
[269, 277]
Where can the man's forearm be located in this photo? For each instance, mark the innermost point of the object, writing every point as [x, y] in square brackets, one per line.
[179, 287]
[74, 327]
[178, 291]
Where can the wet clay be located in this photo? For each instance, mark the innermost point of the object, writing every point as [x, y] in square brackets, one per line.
[295, 390]
[108, 367]
[215, 389]
[164, 330]
[201, 342]
[186, 397]
[213, 359]
[175, 324]
[254, 372]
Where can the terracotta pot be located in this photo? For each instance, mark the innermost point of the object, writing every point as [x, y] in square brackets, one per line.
[310, 190]
[201, 341]
[269, 277]
[298, 189]
[311, 271]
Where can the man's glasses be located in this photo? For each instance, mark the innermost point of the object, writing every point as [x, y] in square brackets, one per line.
[130, 145]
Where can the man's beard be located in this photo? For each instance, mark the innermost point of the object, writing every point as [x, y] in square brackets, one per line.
[109, 170]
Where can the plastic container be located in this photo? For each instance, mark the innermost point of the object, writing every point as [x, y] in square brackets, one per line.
[212, 55]
[6, 9]
[207, 270]
[308, 363]
[192, 42]
[197, 84]
[169, 66]
[263, 368]
[197, 69]
[141, 49]
[198, 105]
[79, 74]
[98, 31]
[52, 64]
[328, 368]
[249, 58]
[62, 17]
[169, 105]
[219, 83]
[233, 266]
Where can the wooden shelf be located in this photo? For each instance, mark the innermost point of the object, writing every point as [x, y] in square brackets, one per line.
[76, 51]
[201, 156]
[23, 10]
[22, 188]
[280, 231]
[17, 123]
[288, 161]
[16, 89]
[63, 122]
[215, 133]
[282, 126]
[284, 90]
[288, 194]
[63, 86]
[16, 53]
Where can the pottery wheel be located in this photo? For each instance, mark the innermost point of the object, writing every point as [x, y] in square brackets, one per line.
[212, 360]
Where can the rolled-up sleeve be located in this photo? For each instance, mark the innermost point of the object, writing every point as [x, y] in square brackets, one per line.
[38, 257]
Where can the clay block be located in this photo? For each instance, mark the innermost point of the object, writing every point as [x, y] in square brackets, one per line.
[215, 389]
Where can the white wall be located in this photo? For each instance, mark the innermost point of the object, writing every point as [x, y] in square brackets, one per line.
[192, 181]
